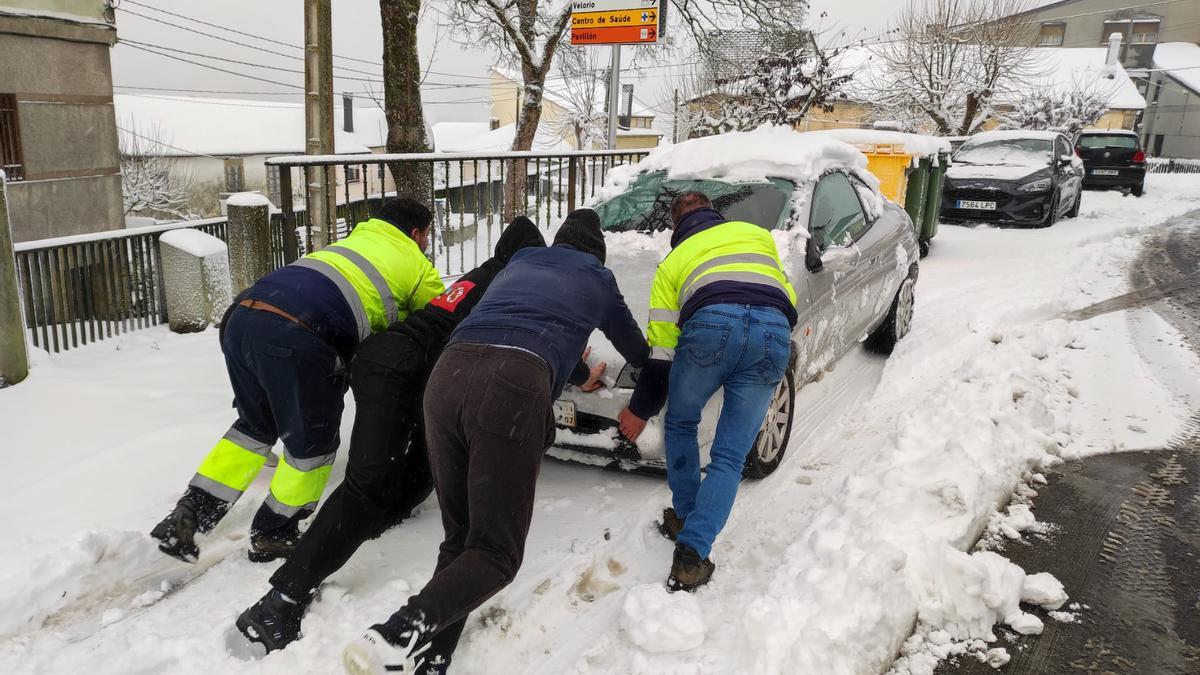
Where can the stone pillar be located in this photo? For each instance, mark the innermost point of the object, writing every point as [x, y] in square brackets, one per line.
[14, 355]
[249, 235]
[195, 269]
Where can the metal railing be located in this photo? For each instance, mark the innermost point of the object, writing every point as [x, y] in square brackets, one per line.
[472, 194]
[85, 288]
[1166, 165]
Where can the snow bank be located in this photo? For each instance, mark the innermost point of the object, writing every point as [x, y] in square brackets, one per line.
[749, 156]
[659, 621]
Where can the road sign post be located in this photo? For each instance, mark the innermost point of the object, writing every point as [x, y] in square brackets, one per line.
[615, 23]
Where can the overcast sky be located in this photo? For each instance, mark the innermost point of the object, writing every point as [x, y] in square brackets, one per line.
[457, 75]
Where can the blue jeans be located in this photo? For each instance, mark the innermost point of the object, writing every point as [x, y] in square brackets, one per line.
[744, 349]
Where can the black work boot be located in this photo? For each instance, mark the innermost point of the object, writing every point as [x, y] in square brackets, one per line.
[176, 534]
[688, 570]
[273, 621]
[671, 524]
[274, 544]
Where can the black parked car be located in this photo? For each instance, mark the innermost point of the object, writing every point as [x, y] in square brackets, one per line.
[1112, 159]
[1013, 177]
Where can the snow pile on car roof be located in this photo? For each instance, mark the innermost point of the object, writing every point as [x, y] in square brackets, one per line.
[1014, 134]
[745, 157]
[914, 144]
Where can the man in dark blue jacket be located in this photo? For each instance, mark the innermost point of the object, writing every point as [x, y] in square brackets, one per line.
[488, 421]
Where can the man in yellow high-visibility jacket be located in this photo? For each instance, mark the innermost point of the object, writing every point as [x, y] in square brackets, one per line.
[721, 314]
[287, 341]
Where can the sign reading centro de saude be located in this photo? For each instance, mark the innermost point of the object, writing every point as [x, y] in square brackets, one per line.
[616, 22]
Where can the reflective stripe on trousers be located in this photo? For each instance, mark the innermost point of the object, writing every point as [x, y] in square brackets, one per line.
[298, 488]
[231, 466]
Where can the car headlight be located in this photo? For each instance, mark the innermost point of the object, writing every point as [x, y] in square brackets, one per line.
[1035, 186]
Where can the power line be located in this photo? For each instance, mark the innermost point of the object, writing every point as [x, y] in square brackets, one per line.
[222, 70]
[243, 63]
[242, 33]
[240, 44]
[165, 144]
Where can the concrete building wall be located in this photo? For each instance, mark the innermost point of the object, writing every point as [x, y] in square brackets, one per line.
[1172, 124]
[59, 73]
[1084, 23]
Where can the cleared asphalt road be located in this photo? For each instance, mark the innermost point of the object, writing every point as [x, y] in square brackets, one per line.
[1127, 526]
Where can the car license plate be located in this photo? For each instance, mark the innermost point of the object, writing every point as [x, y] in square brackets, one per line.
[978, 206]
[1105, 172]
[564, 413]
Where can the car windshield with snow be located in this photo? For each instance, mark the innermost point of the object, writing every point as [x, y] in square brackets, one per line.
[1013, 177]
[854, 277]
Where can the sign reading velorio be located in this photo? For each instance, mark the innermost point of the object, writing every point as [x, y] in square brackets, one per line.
[616, 22]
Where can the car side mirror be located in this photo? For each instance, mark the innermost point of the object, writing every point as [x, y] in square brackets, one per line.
[812, 255]
[1064, 160]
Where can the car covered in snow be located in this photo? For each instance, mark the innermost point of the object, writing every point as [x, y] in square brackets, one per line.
[1013, 177]
[854, 276]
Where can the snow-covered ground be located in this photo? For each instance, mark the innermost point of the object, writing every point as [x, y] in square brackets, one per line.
[896, 466]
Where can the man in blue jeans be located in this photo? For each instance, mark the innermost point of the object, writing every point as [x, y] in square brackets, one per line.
[723, 303]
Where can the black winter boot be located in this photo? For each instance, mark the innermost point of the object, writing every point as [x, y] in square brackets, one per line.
[398, 645]
[273, 621]
[274, 544]
[671, 524]
[177, 532]
[688, 570]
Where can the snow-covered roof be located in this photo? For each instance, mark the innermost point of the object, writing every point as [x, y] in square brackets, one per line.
[450, 136]
[1180, 60]
[1064, 69]
[1108, 132]
[1060, 69]
[558, 96]
[747, 156]
[232, 127]
[496, 140]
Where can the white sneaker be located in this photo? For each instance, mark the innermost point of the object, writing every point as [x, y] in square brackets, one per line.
[372, 654]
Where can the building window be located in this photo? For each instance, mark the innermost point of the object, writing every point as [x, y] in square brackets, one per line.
[1158, 143]
[1144, 33]
[10, 139]
[235, 175]
[273, 184]
[1052, 35]
[353, 173]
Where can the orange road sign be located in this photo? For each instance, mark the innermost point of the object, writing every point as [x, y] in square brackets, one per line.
[625, 17]
[614, 35]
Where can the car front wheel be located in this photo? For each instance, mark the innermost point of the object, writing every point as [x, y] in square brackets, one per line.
[772, 441]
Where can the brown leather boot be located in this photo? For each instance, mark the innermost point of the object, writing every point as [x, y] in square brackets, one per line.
[688, 570]
[671, 524]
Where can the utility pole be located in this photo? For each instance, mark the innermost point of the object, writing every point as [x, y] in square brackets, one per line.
[14, 354]
[675, 120]
[614, 87]
[318, 117]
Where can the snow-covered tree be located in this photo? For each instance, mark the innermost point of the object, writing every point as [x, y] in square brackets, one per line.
[781, 88]
[528, 34]
[1067, 111]
[948, 59]
[152, 181]
[580, 83]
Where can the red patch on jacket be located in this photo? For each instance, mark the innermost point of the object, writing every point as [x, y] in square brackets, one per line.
[453, 295]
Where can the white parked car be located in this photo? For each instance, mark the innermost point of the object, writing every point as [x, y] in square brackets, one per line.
[854, 277]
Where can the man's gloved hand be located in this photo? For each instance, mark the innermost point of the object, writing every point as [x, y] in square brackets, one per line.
[630, 424]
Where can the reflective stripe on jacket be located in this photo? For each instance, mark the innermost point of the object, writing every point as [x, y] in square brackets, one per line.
[734, 251]
[381, 273]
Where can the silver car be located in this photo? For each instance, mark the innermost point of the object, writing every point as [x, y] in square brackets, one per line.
[854, 280]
